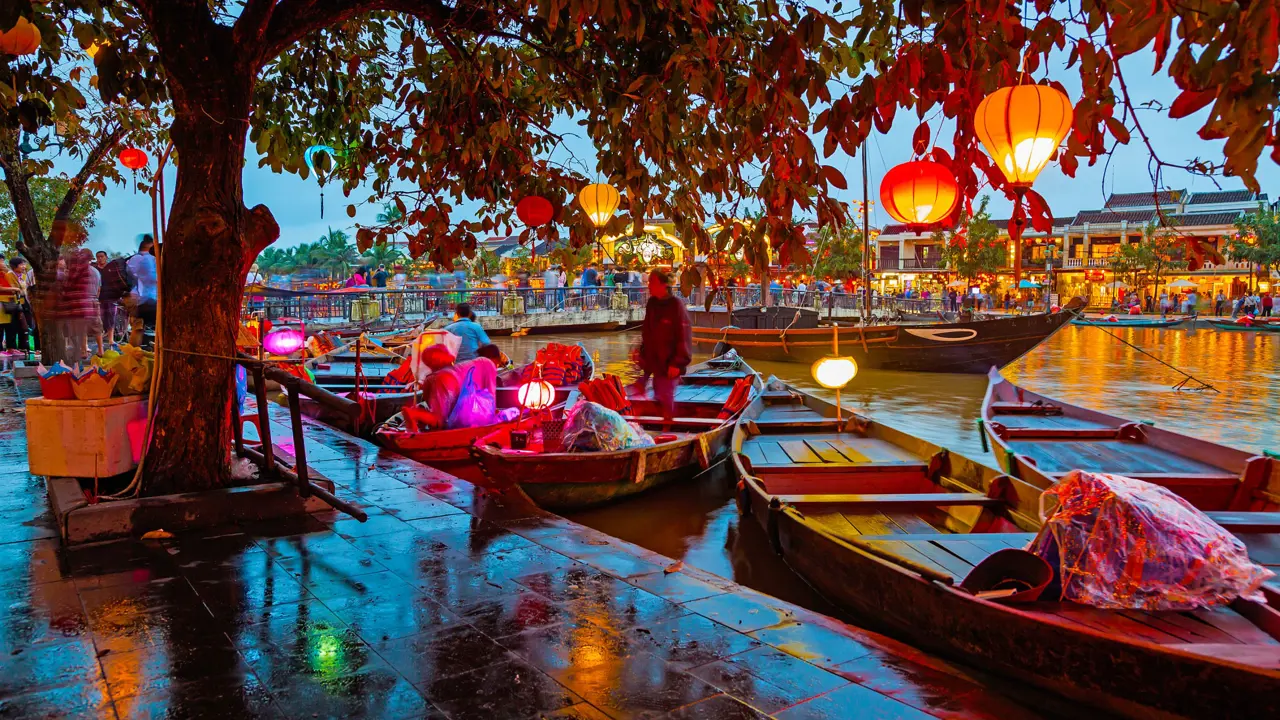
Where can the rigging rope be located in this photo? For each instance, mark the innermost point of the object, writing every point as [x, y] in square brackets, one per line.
[1186, 377]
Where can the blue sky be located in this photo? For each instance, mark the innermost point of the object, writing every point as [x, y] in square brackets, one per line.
[296, 202]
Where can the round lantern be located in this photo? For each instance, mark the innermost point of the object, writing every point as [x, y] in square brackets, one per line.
[534, 211]
[600, 202]
[22, 39]
[536, 395]
[284, 341]
[133, 158]
[919, 193]
[1021, 128]
[834, 373]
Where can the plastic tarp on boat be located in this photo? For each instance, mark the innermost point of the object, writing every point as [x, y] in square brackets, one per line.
[591, 427]
[1120, 543]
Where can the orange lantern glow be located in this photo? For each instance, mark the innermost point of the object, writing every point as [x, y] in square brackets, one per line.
[600, 202]
[133, 158]
[919, 193]
[536, 395]
[21, 39]
[1021, 128]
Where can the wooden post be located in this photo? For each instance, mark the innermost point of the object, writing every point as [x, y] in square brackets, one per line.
[264, 421]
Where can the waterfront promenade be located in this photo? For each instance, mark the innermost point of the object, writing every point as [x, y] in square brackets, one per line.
[448, 602]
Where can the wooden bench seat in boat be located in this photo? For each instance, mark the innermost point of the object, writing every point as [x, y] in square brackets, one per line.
[1025, 408]
[902, 500]
[677, 422]
[814, 450]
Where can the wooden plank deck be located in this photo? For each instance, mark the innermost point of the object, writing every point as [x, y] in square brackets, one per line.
[1048, 422]
[817, 449]
[1113, 456]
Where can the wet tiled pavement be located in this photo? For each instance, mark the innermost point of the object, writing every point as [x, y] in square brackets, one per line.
[446, 603]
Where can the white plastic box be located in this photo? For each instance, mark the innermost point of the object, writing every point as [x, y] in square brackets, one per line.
[83, 438]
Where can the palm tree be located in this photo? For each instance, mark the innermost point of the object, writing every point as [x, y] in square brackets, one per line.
[274, 261]
[382, 254]
[334, 252]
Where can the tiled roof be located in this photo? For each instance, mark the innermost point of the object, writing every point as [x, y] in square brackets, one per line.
[1225, 196]
[1145, 199]
[1225, 217]
[1106, 217]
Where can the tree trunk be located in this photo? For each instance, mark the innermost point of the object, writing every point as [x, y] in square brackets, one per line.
[208, 247]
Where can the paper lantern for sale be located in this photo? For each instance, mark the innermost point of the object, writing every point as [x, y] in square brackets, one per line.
[919, 193]
[1021, 128]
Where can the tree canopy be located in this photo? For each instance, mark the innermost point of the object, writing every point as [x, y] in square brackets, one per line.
[1258, 239]
[47, 194]
[975, 248]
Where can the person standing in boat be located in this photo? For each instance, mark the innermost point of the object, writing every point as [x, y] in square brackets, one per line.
[666, 342]
[473, 336]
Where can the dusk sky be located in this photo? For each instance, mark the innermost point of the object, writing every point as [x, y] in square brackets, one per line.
[296, 202]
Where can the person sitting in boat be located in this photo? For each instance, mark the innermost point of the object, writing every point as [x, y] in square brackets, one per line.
[495, 355]
[473, 336]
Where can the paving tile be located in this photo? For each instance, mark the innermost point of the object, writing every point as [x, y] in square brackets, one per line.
[80, 700]
[923, 688]
[851, 701]
[692, 640]
[814, 643]
[47, 613]
[791, 674]
[443, 653]
[283, 624]
[328, 584]
[349, 527]
[31, 563]
[676, 587]
[126, 617]
[511, 614]
[571, 647]
[640, 685]
[593, 596]
[511, 689]
[317, 654]
[717, 707]
[743, 611]
[43, 666]
[372, 693]
[391, 615]
[151, 669]
[581, 711]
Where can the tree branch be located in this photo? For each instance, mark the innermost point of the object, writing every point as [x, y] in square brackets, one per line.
[252, 22]
[106, 143]
[293, 20]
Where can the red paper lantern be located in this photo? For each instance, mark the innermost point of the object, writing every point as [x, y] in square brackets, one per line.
[919, 193]
[133, 158]
[534, 211]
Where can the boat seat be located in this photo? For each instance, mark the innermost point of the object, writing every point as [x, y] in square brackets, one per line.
[1247, 522]
[896, 500]
[1025, 408]
[695, 421]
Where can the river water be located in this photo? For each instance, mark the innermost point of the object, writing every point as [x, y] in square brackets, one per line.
[698, 522]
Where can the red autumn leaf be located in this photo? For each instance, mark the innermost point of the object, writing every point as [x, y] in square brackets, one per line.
[1190, 101]
[833, 177]
[920, 141]
[1041, 217]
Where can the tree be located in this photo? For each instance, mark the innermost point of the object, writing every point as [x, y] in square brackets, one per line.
[1163, 251]
[382, 253]
[839, 252]
[446, 106]
[46, 194]
[976, 248]
[335, 253]
[485, 264]
[274, 261]
[1257, 239]
[1130, 264]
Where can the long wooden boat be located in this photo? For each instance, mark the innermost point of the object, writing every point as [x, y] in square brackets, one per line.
[1123, 322]
[1257, 325]
[569, 481]
[449, 449]
[959, 347]
[888, 526]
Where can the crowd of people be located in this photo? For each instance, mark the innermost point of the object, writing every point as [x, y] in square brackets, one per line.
[77, 301]
[1189, 303]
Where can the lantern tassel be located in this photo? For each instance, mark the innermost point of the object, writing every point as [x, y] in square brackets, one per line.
[321, 204]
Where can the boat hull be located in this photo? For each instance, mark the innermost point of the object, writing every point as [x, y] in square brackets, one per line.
[1122, 323]
[1227, 326]
[1080, 663]
[964, 347]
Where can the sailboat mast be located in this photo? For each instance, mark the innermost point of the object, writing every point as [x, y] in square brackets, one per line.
[866, 243]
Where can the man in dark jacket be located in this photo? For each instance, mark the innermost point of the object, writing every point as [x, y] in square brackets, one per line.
[666, 342]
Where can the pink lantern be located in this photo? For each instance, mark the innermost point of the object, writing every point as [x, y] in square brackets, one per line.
[284, 341]
[536, 395]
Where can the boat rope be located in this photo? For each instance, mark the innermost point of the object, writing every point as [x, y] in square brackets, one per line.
[1187, 378]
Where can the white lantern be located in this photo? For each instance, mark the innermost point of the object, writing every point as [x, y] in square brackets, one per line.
[536, 395]
[834, 372]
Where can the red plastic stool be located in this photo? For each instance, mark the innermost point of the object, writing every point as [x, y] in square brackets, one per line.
[251, 420]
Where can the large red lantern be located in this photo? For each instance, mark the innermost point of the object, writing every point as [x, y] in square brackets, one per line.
[133, 158]
[534, 211]
[919, 193]
[1021, 128]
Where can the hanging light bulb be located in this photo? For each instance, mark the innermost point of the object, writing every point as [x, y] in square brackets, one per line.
[1021, 127]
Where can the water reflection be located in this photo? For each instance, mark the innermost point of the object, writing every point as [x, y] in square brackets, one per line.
[698, 523]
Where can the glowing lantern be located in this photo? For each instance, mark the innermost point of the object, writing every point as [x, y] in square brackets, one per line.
[133, 158]
[21, 39]
[536, 395]
[284, 341]
[1021, 128]
[919, 193]
[834, 373]
[600, 202]
[534, 211]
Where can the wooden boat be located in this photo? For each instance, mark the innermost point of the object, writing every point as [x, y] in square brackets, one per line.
[335, 372]
[887, 526]
[1124, 322]
[1257, 325]
[448, 449]
[959, 347]
[569, 481]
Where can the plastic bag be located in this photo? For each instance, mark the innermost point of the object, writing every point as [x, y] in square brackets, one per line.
[475, 406]
[591, 427]
[433, 350]
[1120, 543]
